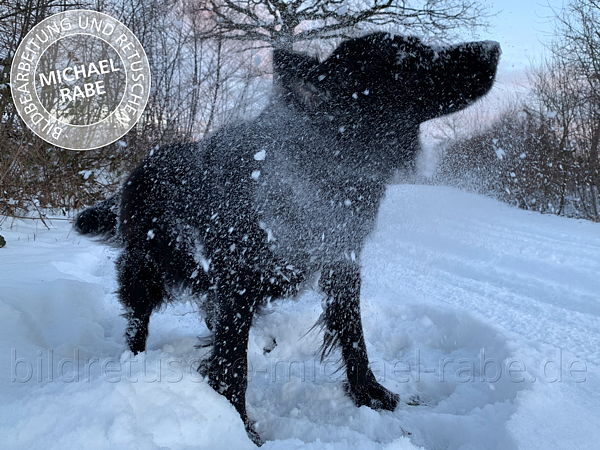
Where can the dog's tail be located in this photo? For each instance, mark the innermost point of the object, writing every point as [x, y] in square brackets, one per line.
[100, 219]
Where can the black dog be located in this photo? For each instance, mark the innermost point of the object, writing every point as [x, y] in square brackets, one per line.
[253, 210]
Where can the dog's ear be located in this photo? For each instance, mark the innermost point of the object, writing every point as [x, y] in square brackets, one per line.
[293, 73]
[288, 64]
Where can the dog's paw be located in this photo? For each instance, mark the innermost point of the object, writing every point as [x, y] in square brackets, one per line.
[373, 395]
[253, 434]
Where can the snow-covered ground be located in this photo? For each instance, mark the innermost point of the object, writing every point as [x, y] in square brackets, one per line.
[491, 315]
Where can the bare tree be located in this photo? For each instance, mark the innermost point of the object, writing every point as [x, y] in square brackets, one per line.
[280, 23]
[577, 48]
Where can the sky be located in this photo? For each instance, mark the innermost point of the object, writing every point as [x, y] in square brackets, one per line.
[522, 27]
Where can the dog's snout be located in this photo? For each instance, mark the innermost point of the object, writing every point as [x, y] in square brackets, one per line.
[491, 48]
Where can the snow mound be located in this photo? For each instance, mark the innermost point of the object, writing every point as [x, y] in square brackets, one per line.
[489, 315]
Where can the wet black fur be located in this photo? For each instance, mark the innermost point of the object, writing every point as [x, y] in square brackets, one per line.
[253, 210]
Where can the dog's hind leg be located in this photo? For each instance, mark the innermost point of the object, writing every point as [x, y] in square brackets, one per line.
[141, 291]
[341, 284]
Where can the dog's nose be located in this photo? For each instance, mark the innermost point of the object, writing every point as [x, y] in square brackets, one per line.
[491, 47]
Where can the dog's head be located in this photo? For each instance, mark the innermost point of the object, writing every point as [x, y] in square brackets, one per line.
[383, 80]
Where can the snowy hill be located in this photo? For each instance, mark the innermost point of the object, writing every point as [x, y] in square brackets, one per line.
[489, 314]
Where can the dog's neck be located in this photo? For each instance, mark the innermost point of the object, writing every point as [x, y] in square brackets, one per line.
[332, 147]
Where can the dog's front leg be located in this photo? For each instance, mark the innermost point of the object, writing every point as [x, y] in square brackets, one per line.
[341, 284]
[228, 365]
